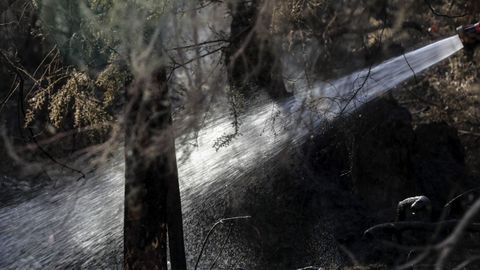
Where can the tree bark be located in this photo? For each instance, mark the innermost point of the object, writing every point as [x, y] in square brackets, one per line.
[152, 198]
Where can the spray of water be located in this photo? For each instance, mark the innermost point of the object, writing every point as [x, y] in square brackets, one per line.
[270, 128]
[80, 225]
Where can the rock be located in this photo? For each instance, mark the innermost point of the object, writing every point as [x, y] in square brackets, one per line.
[418, 208]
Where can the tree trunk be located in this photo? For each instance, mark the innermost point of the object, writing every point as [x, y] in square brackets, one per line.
[152, 198]
[251, 59]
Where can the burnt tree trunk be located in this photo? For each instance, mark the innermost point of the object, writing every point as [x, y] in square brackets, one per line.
[250, 58]
[152, 197]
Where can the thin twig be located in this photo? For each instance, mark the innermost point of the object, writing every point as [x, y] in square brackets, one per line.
[200, 44]
[449, 244]
[466, 132]
[221, 221]
[436, 13]
[222, 247]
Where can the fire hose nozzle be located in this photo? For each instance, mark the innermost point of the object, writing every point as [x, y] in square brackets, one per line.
[469, 34]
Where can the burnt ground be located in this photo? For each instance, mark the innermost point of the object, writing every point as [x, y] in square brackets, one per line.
[311, 207]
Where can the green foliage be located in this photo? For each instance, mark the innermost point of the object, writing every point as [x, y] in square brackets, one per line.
[101, 42]
[110, 81]
[81, 100]
[78, 92]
